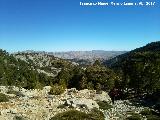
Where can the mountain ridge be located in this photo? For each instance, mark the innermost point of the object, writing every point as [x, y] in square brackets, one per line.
[150, 47]
[85, 55]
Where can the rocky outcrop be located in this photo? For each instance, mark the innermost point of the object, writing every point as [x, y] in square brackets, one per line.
[39, 105]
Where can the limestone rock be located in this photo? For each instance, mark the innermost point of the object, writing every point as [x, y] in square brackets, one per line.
[82, 103]
[102, 97]
[38, 104]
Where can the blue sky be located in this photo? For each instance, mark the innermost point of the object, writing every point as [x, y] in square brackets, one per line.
[64, 25]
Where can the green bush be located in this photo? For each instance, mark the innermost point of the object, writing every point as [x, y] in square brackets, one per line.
[17, 93]
[150, 114]
[3, 98]
[61, 106]
[146, 112]
[18, 118]
[57, 89]
[153, 117]
[134, 117]
[104, 105]
[96, 114]
[77, 115]
[157, 106]
[38, 86]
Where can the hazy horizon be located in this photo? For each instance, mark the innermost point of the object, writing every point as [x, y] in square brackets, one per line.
[65, 51]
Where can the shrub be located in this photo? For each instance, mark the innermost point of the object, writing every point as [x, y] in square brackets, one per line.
[61, 106]
[150, 114]
[152, 117]
[38, 86]
[146, 112]
[104, 105]
[57, 89]
[134, 117]
[157, 106]
[3, 98]
[96, 114]
[18, 118]
[17, 93]
[77, 115]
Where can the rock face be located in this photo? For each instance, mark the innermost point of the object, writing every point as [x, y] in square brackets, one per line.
[39, 105]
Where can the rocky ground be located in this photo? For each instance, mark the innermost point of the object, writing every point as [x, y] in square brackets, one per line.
[122, 109]
[39, 105]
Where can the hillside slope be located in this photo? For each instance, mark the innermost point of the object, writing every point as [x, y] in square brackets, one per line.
[14, 71]
[44, 63]
[117, 61]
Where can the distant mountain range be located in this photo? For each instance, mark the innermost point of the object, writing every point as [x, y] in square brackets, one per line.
[88, 55]
[83, 55]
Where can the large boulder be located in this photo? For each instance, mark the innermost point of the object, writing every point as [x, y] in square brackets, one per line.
[86, 93]
[102, 97]
[46, 89]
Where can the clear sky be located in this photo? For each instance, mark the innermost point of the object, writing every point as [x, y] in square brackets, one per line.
[64, 25]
